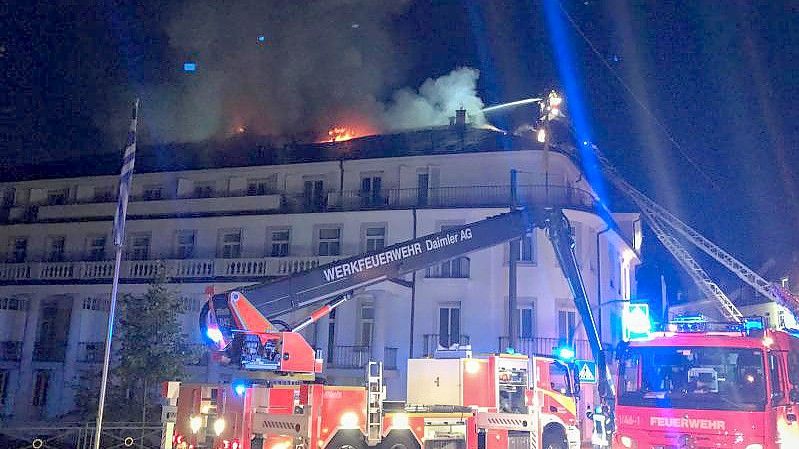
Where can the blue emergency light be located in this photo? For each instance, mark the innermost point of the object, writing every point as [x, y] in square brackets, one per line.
[189, 66]
[635, 322]
[240, 387]
[565, 353]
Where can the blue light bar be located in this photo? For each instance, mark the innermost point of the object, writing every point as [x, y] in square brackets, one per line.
[754, 324]
[189, 67]
[689, 319]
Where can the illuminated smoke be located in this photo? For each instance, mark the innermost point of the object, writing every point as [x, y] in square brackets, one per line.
[293, 69]
[436, 101]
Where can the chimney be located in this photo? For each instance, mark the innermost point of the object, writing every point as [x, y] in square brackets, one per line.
[460, 117]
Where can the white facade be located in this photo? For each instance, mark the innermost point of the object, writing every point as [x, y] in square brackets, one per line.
[235, 226]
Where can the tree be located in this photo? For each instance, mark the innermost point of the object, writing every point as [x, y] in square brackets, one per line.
[149, 348]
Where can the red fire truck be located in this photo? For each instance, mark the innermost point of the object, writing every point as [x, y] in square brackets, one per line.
[498, 402]
[708, 385]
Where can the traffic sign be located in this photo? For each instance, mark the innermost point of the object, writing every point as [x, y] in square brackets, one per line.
[586, 371]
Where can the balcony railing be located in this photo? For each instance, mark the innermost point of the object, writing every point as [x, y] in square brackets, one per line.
[49, 352]
[546, 346]
[283, 202]
[436, 342]
[356, 357]
[177, 268]
[466, 196]
[10, 351]
[349, 356]
[91, 351]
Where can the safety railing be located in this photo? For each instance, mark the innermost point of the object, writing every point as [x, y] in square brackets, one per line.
[546, 346]
[175, 268]
[436, 342]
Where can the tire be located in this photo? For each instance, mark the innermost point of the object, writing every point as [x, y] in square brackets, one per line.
[347, 439]
[399, 439]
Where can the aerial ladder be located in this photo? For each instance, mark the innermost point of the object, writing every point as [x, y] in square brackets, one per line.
[666, 227]
[242, 326]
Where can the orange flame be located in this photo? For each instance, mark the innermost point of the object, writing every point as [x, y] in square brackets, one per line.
[340, 134]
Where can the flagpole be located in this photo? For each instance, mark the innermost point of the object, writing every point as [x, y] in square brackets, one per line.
[125, 178]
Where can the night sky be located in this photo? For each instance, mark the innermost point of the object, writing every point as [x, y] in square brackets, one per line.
[694, 102]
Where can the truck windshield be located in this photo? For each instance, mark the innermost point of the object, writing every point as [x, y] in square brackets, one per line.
[702, 378]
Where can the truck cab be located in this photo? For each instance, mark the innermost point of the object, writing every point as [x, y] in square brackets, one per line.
[703, 387]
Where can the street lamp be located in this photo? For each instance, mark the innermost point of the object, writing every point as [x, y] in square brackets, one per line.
[219, 426]
[195, 422]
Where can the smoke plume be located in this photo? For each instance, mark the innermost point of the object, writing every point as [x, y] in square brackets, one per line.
[293, 68]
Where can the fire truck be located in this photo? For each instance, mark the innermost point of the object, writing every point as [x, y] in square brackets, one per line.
[452, 403]
[502, 401]
[709, 385]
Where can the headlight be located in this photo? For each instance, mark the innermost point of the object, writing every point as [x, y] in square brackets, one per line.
[400, 421]
[628, 442]
[349, 420]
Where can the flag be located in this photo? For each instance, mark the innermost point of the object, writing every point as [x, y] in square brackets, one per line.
[125, 179]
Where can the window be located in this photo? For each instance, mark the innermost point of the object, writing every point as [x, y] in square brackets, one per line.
[331, 335]
[262, 186]
[449, 326]
[95, 247]
[527, 248]
[57, 196]
[3, 386]
[314, 194]
[41, 383]
[375, 238]
[776, 379]
[371, 187]
[230, 244]
[153, 192]
[613, 263]
[457, 268]
[367, 325]
[204, 190]
[527, 322]
[55, 248]
[9, 196]
[104, 194]
[184, 244]
[422, 189]
[567, 322]
[329, 242]
[13, 304]
[139, 247]
[702, 378]
[18, 249]
[279, 242]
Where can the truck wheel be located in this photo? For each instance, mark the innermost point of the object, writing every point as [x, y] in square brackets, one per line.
[399, 439]
[347, 440]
